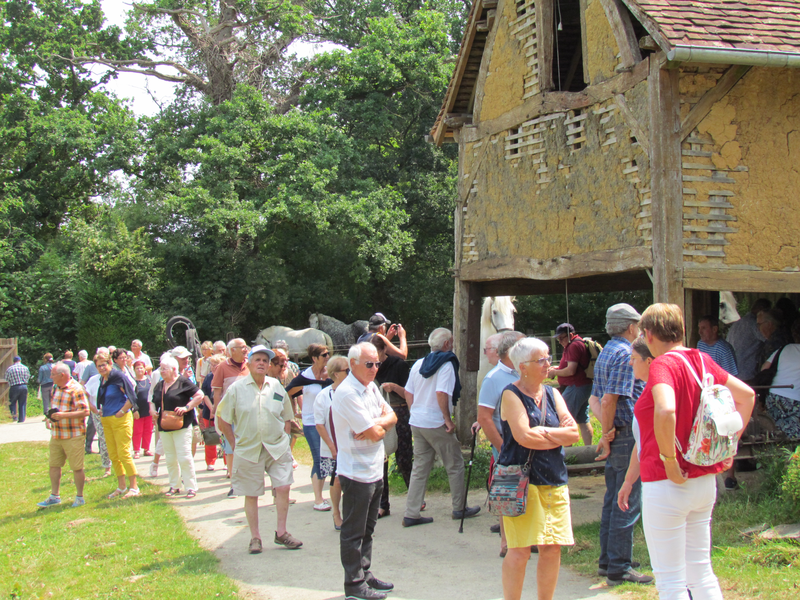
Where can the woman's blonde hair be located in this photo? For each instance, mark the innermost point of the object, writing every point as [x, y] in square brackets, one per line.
[207, 345]
[337, 364]
[664, 321]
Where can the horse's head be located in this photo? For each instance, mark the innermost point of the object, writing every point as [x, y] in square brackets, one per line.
[503, 313]
[313, 321]
[727, 308]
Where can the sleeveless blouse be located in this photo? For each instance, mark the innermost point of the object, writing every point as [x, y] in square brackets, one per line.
[547, 466]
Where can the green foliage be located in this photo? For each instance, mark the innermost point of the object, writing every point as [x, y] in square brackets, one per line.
[790, 486]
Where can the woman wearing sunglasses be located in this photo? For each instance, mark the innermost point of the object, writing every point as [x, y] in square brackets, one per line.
[310, 383]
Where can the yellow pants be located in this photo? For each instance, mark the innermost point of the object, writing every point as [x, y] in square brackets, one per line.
[119, 432]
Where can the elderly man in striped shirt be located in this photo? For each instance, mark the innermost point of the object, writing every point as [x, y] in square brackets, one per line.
[713, 345]
[17, 377]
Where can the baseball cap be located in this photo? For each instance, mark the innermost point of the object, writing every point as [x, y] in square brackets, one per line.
[564, 328]
[263, 350]
[180, 352]
[379, 319]
[17, 358]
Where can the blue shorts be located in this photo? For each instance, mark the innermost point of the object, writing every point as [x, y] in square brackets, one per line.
[577, 399]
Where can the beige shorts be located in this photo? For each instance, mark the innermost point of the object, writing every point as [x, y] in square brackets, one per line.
[248, 477]
[71, 450]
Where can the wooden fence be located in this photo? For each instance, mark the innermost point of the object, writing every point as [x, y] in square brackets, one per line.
[8, 350]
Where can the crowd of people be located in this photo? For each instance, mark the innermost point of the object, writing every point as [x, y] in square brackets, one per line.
[357, 409]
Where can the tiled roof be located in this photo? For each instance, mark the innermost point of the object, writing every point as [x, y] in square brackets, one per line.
[770, 25]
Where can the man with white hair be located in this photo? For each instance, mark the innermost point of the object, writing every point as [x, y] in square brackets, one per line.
[618, 390]
[83, 362]
[136, 348]
[67, 426]
[361, 418]
[258, 408]
[233, 369]
[432, 390]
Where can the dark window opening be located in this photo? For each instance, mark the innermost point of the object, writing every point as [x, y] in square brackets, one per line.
[639, 30]
[568, 50]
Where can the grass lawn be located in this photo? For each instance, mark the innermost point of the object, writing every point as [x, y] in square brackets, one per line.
[136, 548]
[768, 570]
[33, 409]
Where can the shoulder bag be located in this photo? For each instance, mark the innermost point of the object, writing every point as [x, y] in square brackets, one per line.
[508, 493]
[170, 421]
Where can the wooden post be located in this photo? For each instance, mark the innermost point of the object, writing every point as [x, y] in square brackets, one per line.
[666, 183]
[698, 304]
[466, 330]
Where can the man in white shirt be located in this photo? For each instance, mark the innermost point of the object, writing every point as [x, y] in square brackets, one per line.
[83, 362]
[259, 409]
[136, 348]
[431, 387]
[361, 418]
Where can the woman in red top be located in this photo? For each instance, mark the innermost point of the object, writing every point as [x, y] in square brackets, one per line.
[678, 497]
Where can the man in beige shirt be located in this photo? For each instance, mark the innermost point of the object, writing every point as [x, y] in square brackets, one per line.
[258, 408]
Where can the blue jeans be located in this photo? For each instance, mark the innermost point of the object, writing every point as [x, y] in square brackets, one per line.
[616, 526]
[312, 437]
[18, 401]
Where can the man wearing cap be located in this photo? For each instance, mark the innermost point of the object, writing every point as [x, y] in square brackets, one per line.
[17, 377]
[378, 324]
[618, 389]
[258, 408]
[136, 348]
[571, 375]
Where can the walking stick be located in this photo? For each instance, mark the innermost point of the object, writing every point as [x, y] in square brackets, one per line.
[469, 476]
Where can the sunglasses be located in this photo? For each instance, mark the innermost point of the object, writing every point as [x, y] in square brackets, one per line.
[369, 364]
[325, 354]
[277, 362]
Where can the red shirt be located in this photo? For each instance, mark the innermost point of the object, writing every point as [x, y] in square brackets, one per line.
[672, 371]
[227, 373]
[575, 352]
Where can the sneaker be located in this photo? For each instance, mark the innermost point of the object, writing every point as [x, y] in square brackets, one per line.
[153, 470]
[629, 576]
[603, 571]
[731, 484]
[470, 511]
[51, 501]
[210, 468]
[495, 528]
[407, 522]
[288, 541]
[365, 594]
[79, 501]
[381, 586]
[230, 493]
[255, 546]
[323, 506]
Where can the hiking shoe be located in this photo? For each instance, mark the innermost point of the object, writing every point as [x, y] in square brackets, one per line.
[731, 484]
[365, 594]
[255, 546]
[629, 576]
[420, 521]
[381, 586]
[495, 528]
[287, 540]
[153, 470]
[51, 501]
[470, 511]
[603, 571]
[79, 501]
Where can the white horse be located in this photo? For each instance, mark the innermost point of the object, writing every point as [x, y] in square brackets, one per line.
[497, 316]
[727, 308]
[298, 340]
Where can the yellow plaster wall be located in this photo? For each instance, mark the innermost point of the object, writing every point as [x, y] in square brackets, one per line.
[507, 67]
[756, 141]
[602, 46]
[574, 201]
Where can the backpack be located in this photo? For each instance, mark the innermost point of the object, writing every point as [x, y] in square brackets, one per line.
[593, 350]
[713, 436]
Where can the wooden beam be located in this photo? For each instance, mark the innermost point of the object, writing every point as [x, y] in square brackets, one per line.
[639, 131]
[666, 184]
[558, 268]
[489, 4]
[544, 40]
[457, 120]
[583, 5]
[699, 303]
[648, 24]
[700, 110]
[742, 280]
[464, 319]
[474, 327]
[622, 27]
[609, 282]
[553, 102]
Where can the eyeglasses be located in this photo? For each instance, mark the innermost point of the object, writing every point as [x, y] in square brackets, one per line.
[325, 354]
[347, 371]
[369, 364]
[489, 349]
[538, 361]
[278, 362]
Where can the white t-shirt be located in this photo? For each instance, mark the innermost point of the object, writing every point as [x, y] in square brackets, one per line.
[92, 387]
[425, 411]
[309, 395]
[81, 367]
[788, 372]
[355, 408]
[322, 413]
[148, 363]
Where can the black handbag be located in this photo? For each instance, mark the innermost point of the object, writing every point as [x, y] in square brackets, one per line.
[210, 436]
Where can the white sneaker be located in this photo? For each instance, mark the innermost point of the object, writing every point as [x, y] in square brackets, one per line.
[153, 470]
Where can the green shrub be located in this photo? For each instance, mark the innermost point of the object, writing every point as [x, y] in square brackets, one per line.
[790, 486]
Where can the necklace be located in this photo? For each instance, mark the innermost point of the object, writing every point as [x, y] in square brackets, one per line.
[536, 393]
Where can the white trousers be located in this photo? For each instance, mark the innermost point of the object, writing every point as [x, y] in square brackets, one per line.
[677, 526]
[178, 456]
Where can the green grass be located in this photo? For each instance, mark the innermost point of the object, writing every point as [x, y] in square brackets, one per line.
[136, 548]
[438, 481]
[768, 570]
[34, 408]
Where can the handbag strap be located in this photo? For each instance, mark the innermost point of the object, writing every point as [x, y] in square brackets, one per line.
[542, 421]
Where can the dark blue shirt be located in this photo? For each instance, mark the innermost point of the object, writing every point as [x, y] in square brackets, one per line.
[547, 466]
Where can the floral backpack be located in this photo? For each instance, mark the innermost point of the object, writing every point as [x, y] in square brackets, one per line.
[713, 437]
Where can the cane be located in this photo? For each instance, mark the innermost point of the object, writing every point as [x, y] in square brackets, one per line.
[469, 476]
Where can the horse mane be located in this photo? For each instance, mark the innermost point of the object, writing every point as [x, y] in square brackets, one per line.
[486, 313]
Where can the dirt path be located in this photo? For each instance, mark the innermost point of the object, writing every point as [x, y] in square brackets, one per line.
[430, 562]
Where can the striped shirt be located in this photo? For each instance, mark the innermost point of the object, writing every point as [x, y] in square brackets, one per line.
[18, 374]
[70, 398]
[722, 353]
[613, 374]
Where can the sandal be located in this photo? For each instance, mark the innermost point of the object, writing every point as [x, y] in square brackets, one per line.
[173, 492]
[135, 455]
[191, 494]
[148, 453]
[116, 493]
[132, 493]
[107, 473]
